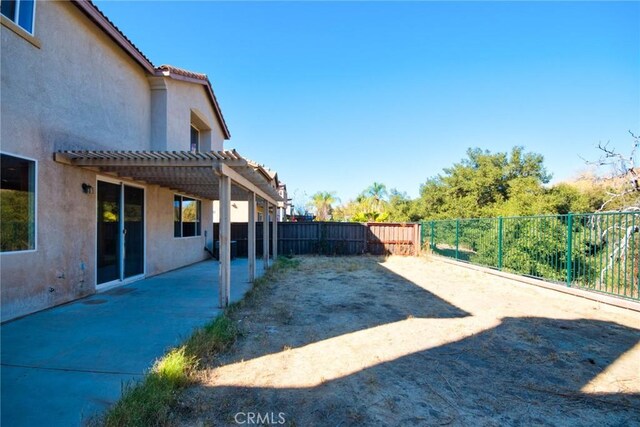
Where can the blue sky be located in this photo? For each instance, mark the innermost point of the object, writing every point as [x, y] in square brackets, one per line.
[336, 95]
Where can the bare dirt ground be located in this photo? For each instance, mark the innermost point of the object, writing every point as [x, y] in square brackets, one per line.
[412, 341]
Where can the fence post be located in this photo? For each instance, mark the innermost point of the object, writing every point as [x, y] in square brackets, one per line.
[365, 238]
[569, 247]
[421, 234]
[499, 243]
[433, 235]
[457, 236]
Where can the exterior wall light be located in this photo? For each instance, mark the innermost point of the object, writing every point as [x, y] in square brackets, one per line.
[86, 188]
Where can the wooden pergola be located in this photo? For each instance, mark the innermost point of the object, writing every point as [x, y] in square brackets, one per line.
[213, 175]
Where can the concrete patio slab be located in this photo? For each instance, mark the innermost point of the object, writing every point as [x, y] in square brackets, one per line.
[63, 365]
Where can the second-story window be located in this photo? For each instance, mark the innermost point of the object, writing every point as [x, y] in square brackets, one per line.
[195, 140]
[21, 12]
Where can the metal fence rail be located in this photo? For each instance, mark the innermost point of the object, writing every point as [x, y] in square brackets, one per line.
[599, 252]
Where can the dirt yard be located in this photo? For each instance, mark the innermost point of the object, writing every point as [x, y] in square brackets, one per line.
[408, 341]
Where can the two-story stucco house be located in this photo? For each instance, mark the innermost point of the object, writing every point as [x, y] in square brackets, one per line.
[110, 165]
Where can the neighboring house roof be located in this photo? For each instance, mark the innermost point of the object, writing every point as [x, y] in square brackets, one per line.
[111, 30]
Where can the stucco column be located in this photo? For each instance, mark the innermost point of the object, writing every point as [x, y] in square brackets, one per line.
[224, 287]
[265, 234]
[251, 236]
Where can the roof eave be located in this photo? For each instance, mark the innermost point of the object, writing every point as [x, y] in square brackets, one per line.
[207, 86]
[95, 15]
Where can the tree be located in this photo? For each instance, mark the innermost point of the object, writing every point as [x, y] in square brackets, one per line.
[622, 182]
[377, 194]
[369, 206]
[300, 203]
[400, 207]
[622, 194]
[322, 202]
[481, 183]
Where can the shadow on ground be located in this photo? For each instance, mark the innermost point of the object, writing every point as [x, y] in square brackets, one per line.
[518, 371]
[526, 371]
[339, 307]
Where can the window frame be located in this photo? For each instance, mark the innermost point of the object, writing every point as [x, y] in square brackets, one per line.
[16, 18]
[197, 150]
[199, 222]
[35, 204]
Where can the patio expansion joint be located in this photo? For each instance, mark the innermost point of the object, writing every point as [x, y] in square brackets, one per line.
[88, 371]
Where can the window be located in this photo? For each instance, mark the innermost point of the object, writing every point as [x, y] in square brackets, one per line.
[17, 204]
[195, 140]
[186, 216]
[21, 12]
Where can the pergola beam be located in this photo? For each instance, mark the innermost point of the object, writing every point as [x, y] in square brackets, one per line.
[245, 183]
[195, 173]
[140, 160]
[208, 175]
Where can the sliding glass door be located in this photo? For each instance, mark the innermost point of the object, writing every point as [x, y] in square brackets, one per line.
[120, 221]
[133, 231]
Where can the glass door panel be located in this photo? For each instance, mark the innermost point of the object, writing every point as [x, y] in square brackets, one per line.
[133, 231]
[108, 257]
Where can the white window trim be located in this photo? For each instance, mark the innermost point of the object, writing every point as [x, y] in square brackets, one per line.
[35, 205]
[198, 132]
[16, 16]
[181, 222]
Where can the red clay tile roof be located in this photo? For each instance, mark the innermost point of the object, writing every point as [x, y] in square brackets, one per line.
[105, 24]
[182, 72]
[186, 75]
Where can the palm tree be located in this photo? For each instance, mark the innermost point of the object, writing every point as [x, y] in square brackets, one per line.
[377, 192]
[322, 201]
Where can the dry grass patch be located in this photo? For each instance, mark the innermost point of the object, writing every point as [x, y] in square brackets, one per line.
[406, 341]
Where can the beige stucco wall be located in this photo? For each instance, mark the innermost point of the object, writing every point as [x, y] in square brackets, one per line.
[182, 98]
[80, 91]
[239, 211]
[74, 92]
[165, 252]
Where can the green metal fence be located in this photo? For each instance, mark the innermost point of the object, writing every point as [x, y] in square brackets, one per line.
[599, 252]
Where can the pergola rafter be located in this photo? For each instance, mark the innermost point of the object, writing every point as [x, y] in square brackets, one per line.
[213, 175]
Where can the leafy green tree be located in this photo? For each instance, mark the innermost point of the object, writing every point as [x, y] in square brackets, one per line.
[400, 207]
[481, 183]
[372, 205]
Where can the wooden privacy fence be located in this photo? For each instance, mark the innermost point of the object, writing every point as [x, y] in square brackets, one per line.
[393, 238]
[332, 238]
